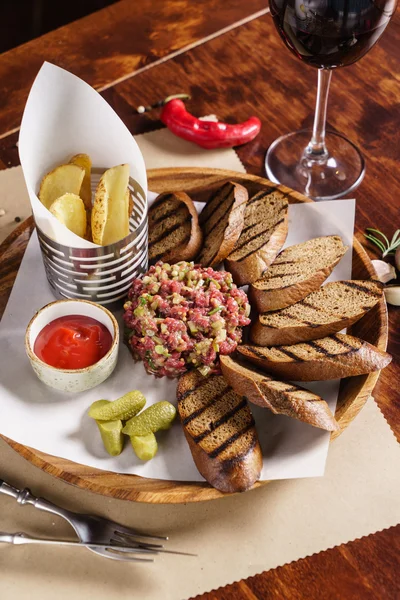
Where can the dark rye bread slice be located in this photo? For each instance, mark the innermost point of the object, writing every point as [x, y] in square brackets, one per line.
[280, 397]
[263, 235]
[222, 221]
[220, 431]
[296, 272]
[174, 230]
[334, 306]
[330, 357]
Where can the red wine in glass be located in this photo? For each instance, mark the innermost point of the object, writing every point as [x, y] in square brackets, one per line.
[324, 34]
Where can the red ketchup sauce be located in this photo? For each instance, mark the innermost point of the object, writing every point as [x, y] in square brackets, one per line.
[73, 342]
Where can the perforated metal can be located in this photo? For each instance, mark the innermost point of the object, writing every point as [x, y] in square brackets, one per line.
[103, 274]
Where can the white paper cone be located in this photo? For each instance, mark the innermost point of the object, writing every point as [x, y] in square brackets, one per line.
[66, 116]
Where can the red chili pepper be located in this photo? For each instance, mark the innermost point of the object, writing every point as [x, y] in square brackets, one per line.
[207, 134]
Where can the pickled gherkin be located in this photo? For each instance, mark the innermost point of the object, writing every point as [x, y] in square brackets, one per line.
[110, 431]
[156, 417]
[123, 409]
[145, 446]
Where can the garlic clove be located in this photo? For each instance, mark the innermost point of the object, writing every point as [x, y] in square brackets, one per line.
[384, 270]
[397, 258]
[392, 294]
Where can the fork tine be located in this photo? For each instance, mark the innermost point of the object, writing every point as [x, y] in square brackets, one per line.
[158, 550]
[125, 550]
[127, 558]
[176, 552]
[126, 538]
[118, 556]
[153, 547]
[121, 529]
[126, 555]
[136, 548]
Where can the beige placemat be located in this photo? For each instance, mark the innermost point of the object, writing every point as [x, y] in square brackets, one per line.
[159, 148]
[162, 148]
[14, 201]
[234, 537]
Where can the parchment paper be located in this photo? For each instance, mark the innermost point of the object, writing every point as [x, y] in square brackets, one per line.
[57, 423]
[161, 149]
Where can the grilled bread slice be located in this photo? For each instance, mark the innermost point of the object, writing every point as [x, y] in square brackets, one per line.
[330, 357]
[263, 235]
[222, 222]
[280, 397]
[296, 272]
[174, 230]
[331, 308]
[220, 431]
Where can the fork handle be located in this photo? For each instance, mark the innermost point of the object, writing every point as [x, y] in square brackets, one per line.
[8, 490]
[26, 497]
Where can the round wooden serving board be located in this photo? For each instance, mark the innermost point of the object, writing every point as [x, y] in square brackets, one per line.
[354, 391]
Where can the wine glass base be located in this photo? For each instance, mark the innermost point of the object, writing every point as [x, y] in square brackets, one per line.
[326, 178]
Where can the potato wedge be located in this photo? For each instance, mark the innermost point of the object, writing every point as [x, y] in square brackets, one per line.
[130, 203]
[70, 211]
[83, 161]
[63, 179]
[110, 220]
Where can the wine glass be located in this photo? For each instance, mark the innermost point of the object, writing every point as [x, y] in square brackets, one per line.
[325, 34]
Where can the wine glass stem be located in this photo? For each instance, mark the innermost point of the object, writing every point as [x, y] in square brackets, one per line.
[316, 148]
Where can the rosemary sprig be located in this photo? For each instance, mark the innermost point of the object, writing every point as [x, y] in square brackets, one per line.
[383, 243]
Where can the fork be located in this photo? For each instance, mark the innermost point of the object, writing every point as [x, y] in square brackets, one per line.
[91, 528]
[21, 538]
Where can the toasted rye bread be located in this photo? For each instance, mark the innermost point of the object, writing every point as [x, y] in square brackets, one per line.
[330, 357]
[174, 230]
[279, 396]
[334, 306]
[222, 221]
[296, 272]
[220, 431]
[263, 235]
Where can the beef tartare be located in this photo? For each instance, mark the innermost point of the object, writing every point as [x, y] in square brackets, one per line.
[182, 315]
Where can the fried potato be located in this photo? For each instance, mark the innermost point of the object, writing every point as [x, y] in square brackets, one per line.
[70, 211]
[63, 179]
[110, 219]
[130, 203]
[83, 161]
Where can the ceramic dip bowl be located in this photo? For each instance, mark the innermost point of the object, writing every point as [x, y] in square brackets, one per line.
[72, 380]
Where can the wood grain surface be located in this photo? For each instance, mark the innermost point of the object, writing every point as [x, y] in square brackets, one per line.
[248, 71]
[114, 43]
[354, 391]
[366, 569]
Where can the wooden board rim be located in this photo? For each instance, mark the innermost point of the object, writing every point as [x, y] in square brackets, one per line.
[141, 489]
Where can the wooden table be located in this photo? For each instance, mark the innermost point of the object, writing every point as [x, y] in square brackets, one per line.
[228, 56]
